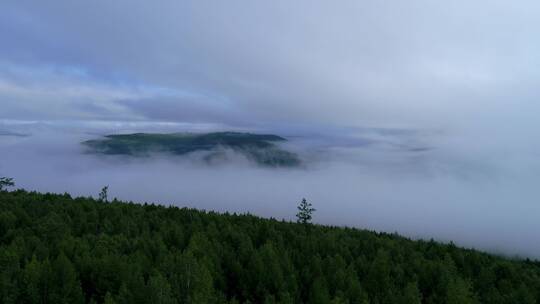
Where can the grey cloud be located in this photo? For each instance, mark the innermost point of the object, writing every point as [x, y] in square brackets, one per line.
[435, 101]
[432, 195]
[194, 108]
[414, 63]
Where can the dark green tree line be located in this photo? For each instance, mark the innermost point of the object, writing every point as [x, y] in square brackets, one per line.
[59, 249]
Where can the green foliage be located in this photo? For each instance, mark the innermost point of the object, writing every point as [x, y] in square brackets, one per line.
[460, 291]
[56, 249]
[305, 212]
[259, 148]
[411, 294]
[159, 290]
[66, 287]
[6, 182]
[103, 194]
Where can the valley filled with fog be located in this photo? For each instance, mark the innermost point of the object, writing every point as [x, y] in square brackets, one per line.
[421, 184]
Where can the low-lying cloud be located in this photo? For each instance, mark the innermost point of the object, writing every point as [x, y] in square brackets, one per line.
[412, 116]
[420, 184]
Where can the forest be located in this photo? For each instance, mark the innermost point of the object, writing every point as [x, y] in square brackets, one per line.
[58, 249]
[261, 149]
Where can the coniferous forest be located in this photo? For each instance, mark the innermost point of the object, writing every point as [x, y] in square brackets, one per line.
[59, 249]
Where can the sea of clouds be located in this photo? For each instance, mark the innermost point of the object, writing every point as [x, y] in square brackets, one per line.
[417, 183]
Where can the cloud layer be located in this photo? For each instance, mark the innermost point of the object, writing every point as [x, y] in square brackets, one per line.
[417, 116]
[349, 64]
[384, 180]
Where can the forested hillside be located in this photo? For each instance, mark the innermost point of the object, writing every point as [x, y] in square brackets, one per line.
[259, 148]
[56, 249]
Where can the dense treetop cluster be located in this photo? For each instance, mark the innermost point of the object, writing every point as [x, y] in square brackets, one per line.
[59, 249]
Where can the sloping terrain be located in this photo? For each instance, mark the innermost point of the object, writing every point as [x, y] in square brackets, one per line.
[56, 249]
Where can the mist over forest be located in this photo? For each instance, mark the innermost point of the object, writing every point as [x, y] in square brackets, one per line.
[416, 117]
[418, 183]
[270, 152]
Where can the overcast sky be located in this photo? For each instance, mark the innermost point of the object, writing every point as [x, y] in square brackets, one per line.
[420, 64]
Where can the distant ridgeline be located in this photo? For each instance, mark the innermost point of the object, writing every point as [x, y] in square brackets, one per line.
[260, 148]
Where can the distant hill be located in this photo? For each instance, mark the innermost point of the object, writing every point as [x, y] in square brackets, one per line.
[260, 148]
[57, 249]
[9, 133]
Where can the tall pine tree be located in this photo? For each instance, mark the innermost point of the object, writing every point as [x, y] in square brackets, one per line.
[305, 212]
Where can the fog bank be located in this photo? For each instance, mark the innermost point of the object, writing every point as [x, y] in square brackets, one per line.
[419, 184]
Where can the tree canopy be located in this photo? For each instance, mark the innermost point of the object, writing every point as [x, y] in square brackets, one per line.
[305, 212]
[103, 194]
[6, 182]
[59, 249]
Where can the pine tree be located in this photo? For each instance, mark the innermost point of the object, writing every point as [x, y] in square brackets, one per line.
[459, 291]
[103, 194]
[411, 294]
[9, 268]
[159, 290]
[319, 292]
[66, 287]
[305, 212]
[6, 182]
[32, 281]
